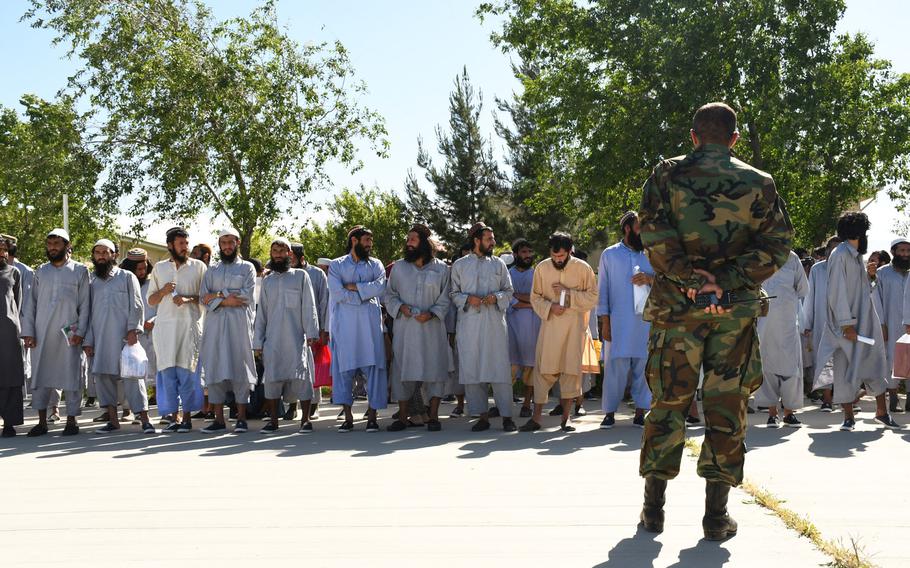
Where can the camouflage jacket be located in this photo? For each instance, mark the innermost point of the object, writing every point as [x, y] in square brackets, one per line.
[711, 211]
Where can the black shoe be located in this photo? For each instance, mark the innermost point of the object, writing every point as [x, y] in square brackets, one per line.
[750, 410]
[493, 413]
[848, 426]
[530, 426]
[567, 428]
[456, 412]
[639, 421]
[481, 425]
[70, 429]
[508, 425]
[89, 402]
[153, 401]
[37, 430]
[198, 416]
[240, 427]
[103, 417]
[305, 428]
[693, 419]
[186, 427]
[449, 398]
[652, 512]
[372, 426]
[214, 428]
[580, 411]
[171, 428]
[763, 409]
[291, 413]
[557, 410]
[434, 425]
[717, 523]
[397, 426]
[791, 421]
[346, 426]
[107, 429]
[827, 407]
[396, 415]
[8, 431]
[147, 428]
[608, 422]
[525, 412]
[888, 422]
[269, 428]
[774, 422]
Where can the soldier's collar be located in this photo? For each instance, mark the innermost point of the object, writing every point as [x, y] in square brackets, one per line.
[714, 149]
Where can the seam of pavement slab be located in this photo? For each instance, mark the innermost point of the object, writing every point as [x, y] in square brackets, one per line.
[841, 556]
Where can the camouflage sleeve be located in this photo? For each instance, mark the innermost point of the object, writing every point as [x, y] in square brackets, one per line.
[769, 248]
[662, 240]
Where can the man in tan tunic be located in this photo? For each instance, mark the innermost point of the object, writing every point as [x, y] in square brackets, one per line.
[563, 294]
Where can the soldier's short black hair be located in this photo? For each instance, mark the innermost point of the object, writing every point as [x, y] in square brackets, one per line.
[520, 243]
[714, 123]
[853, 225]
[560, 241]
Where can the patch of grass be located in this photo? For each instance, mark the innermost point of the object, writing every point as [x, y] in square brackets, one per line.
[852, 556]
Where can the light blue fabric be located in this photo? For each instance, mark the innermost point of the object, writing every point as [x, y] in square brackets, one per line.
[356, 339]
[616, 376]
[377, 387]
[616, 299]
[524, 324]
[178, 385]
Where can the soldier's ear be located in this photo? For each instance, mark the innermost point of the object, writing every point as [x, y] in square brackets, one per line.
[694, 137]
[734, 139]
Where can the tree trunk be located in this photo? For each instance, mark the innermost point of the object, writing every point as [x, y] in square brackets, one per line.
[755, 143]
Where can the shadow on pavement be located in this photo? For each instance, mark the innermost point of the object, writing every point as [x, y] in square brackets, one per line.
[837, 444]
[638, 551]
[705, 554]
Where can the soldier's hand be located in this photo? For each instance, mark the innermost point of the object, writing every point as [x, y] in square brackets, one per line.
[850, 333]
[718, 291]
[710, 277]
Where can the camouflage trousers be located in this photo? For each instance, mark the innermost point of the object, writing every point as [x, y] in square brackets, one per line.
[726, 348]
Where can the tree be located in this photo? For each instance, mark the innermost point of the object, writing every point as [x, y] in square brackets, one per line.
[43, 157]
[198, 115]
[620, 79]
[382, 212]
[468, 186]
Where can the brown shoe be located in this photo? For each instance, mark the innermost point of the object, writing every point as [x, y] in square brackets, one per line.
[652, 513]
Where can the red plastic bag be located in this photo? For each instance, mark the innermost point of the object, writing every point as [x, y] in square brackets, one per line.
[322, 375]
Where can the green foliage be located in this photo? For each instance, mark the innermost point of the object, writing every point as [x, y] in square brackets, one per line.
[617, 83]
[43, 157]
[198, 113]
[468, 186]
[382, 212]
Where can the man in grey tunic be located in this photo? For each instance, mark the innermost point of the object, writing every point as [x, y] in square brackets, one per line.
[138, 263]
[417, 299]
[320, 284]
[888, 294]
[852, 338]
[227, 337]
[27, 277]
[12, 377]
[482, 291]
[55, 322]
[116, 318]
[815, 313]
[778, 333]
[286, 321]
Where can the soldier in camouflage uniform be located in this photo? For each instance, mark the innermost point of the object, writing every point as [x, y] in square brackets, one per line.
[710, 223]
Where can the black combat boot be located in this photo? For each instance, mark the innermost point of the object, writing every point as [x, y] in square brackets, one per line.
[717, 523]
[652, 513]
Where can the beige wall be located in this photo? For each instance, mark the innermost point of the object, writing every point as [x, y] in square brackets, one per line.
[156, 251]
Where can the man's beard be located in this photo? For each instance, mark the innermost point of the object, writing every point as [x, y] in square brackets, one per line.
[635, 242]
[142, 280]
[560, 265]
[863, 244]
[411, 254]
[3, 263]
[228, 258]
[282, 265]
[180, 258]
[102, 269]
[901, 263]
[486, 251]
[361, 252]
[56, 257]
[524, 263]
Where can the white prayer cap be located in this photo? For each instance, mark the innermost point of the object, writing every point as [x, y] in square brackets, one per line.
[898, 241]
[282, 241]
[105, 243]
[229, 232]
[59, 233]
[507, 257]
[323, 261]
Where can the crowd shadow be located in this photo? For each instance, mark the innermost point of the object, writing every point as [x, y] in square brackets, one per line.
[836, 444]
[705, 554]
[637, 551]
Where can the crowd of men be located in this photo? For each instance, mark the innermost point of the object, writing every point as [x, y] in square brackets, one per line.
[419, 329]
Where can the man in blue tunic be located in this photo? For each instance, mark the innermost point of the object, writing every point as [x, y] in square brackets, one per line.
[623, 267]
[356, 284]
[524, 324]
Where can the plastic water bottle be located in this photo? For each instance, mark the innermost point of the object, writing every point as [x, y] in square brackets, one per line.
[640, 291]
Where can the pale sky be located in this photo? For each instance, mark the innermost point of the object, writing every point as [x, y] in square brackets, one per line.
[408, 52]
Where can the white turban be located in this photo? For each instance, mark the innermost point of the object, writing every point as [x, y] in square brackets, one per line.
[59, 233]
[229, 232]
[282, 241]
[323, 261]
[105, 243]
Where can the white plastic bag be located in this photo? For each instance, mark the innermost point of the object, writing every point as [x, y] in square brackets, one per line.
[641, 293]
[133, 362]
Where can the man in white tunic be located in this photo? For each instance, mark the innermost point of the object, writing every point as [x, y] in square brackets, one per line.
[174, 291]
[116, 318]
[888, 293]
[286, 321]
[55, 321]
[417, 299]
[778, 334]
[227, 338]
[482, 291]
[563, 293]
[852, 316]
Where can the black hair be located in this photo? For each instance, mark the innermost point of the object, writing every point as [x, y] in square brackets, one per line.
[173, 234]
[714, 123]
[883, 257]
[852, 225]
[520, 243]
[560, 241]
[580, 255]
[297, 249]
[256, 264]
